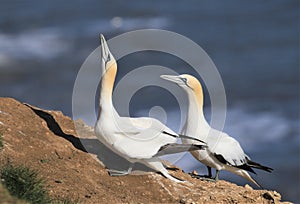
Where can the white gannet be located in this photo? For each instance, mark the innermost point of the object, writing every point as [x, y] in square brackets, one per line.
[223, 152]
[140, 140]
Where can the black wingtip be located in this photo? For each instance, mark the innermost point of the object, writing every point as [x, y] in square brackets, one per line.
[258, 166]
[183, 136]
[247, 168]
[191, 138]
[195, 147]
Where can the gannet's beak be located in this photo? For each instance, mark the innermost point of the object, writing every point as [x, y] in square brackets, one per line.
[105, 52]
[172, 78]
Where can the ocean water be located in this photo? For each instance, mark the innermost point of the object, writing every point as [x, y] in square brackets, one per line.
[254, 44]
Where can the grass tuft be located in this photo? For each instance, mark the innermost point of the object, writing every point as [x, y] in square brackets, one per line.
[5, 197]
[24, 184]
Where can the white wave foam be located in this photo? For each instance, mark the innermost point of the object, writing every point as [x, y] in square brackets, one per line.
[136, 23]
[124, 24]
[45, 43]
[255, 130]
[50, 42]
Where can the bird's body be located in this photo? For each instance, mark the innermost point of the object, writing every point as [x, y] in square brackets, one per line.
[135, 139]
[223, 152]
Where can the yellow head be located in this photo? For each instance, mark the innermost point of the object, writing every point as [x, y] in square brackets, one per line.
[188, 83]
[108, 62]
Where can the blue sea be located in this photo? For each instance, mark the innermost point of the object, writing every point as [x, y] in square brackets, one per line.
[254, 44]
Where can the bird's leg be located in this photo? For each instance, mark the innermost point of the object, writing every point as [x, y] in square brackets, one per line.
[217, 175]
[113, 172]
[209, 172]
[206, 177]
[210, 178]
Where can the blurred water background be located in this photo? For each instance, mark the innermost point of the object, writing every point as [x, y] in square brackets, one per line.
[254, 44]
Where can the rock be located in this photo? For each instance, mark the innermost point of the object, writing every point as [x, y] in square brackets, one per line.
[53, 148]
[268, 196]
[277, 195]
[248, 187]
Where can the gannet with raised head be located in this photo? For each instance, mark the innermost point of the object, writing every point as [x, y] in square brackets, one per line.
[223, 152]
[135, 139]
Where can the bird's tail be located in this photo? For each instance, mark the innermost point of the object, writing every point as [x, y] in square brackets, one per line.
[245, 174]
[156, 164]
[177, 148]
[258, 166]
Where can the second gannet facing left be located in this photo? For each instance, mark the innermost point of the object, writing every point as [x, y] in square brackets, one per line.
[140, 140]
[223, 152]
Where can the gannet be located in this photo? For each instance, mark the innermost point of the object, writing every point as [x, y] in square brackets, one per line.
[141, 139]
[223, 152]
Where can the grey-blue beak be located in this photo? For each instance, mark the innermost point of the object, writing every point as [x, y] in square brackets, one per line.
[105, 52]
[172, 78]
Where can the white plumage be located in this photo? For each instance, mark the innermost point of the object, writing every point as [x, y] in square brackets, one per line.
[135, 139]
[223, 152]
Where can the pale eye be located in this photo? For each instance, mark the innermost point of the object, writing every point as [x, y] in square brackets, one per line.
[184, 80]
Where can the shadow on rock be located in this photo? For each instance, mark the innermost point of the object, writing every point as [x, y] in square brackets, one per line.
[110, 159]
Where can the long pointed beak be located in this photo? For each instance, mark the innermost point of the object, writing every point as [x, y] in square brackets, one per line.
[172, 78]
[106, 54]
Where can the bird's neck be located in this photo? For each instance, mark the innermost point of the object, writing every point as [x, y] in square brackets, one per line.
[195, 118]
[106, 90]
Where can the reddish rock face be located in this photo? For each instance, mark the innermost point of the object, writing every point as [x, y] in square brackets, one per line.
[47, 142]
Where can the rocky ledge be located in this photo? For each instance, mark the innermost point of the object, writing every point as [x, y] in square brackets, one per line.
[47, 141]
